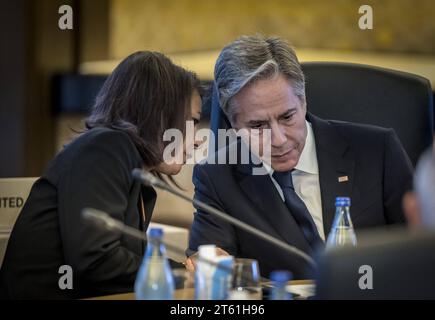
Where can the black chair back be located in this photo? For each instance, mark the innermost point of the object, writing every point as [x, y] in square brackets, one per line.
[364, 94]
[373, 95]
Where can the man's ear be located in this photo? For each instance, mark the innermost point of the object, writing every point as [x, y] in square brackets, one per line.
[304, 103]
[411, 209]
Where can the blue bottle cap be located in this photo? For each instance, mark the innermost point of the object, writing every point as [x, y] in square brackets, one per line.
[281, 276]
[342, 202]
[156, 233]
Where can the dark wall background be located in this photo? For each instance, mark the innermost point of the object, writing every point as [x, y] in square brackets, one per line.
[33, 49]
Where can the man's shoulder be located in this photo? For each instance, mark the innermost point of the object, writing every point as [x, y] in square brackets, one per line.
[358, 127]
[360, 133]
[222, 160]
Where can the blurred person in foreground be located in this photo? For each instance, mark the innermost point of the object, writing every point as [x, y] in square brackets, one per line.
[419, 205]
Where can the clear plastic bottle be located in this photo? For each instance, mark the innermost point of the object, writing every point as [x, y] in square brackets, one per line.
[154, 280]
[204, 272]
[342, 232]
[212, 274]
[280, 281]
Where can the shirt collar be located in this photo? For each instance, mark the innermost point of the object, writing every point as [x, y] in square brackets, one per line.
[308, 159]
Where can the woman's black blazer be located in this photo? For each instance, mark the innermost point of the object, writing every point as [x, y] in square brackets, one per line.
[92, 171]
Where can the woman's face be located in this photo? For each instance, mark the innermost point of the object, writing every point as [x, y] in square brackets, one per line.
[175, 168]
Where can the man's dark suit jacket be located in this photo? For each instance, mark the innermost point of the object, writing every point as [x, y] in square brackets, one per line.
[378, 170]
[93, 171]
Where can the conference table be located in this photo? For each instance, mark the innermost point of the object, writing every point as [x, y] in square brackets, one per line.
[299, 287]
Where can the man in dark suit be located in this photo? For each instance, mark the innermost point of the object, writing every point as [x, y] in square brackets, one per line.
[261, 86]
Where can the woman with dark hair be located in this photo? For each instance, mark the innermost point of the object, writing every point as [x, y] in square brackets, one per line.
[144, 96]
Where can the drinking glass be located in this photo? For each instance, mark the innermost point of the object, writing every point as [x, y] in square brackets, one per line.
[184, 283]
[246, 283]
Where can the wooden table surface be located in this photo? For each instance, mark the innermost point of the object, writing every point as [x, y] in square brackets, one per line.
[182, 294]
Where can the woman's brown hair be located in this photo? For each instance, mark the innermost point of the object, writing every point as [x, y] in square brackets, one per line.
[145, 95]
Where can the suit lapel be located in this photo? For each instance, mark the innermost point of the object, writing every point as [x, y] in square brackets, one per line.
[263, 194]
[149, 197]
[336, 167]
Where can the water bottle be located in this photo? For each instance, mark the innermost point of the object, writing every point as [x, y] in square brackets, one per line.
[154, 280]
[213, 274]
[342, 233]
[204, 272]
[280, 281]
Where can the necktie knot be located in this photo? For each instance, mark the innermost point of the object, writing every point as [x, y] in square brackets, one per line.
[284, 179]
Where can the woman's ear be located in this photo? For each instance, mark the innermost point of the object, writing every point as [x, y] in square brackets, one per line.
[411, 209]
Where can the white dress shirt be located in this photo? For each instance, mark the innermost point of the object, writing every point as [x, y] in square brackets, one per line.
[306, 180]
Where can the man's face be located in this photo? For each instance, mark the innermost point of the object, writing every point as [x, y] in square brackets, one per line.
[272, 104]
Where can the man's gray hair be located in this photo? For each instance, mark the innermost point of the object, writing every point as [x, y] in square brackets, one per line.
[251, 58]
[424, 185]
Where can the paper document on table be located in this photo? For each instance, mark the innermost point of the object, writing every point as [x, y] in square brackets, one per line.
[303, 291]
